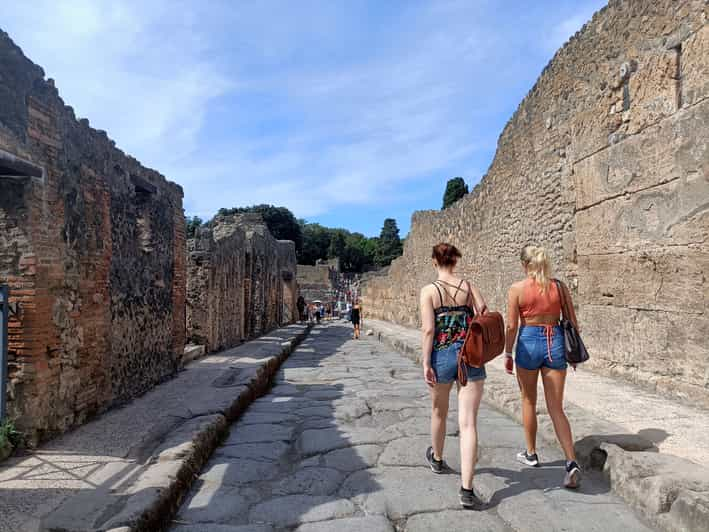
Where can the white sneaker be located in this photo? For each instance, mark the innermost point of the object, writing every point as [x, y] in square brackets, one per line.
[573, 475]
[528, 459]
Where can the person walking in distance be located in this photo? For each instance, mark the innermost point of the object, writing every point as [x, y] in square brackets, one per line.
[533, 312]
[356, 317]
[300, 304]
[447, 309]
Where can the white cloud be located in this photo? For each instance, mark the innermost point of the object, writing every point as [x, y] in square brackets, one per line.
[315, 105]
[118, 64]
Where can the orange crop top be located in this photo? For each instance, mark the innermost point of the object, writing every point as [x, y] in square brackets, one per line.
[534, 303]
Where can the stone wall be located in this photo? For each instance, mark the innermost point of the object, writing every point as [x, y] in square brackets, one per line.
[606, 164]
[318, 282]
[240, 282]
[92, 245]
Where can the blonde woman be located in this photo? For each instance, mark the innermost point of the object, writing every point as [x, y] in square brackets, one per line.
[447, 309]
[533, 312]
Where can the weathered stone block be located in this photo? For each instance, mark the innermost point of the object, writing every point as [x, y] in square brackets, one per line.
[670, 280]
[676, 213]
[658, 155]
[694, 67]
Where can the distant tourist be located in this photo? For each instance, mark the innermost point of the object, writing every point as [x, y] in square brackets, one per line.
[356, 317]
[300, 304]
[447, 309]
[533, 309]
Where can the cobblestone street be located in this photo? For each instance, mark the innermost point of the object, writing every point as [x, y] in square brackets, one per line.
[338, 444]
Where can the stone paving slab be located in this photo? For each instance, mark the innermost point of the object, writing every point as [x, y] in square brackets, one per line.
[619, 430]
[368, 473]
[129, 466]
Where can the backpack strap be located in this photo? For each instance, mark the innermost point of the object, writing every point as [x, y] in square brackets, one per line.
[475, 308]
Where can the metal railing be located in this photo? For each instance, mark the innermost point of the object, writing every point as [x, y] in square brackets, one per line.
[4, 312]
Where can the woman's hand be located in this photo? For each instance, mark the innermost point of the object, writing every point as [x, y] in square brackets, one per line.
[509, 365]
[429, 375]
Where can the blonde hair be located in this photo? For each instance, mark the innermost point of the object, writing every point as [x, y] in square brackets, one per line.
[538, 265]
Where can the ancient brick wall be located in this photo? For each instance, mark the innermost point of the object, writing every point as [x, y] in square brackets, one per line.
[606, 164]
[240, 282]
[93, 248]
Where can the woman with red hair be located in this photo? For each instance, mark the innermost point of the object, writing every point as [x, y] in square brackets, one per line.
[447, 309]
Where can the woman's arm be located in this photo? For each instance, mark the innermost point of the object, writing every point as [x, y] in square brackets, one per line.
[512, 320]
[428, 328]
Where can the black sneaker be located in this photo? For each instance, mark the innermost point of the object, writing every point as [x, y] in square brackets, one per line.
[528, 459]
[437, 466]
[572, 478]
[469, 500]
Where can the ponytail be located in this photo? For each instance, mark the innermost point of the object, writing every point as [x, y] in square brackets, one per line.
[538, 265]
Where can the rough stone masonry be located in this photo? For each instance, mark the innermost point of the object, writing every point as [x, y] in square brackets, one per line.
[240, 283]
[606, 164]
[92, 245]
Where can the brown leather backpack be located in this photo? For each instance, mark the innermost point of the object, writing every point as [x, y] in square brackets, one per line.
[484, 341]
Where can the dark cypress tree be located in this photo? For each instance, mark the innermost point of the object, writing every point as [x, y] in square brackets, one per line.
[455, 189]
[389, 245]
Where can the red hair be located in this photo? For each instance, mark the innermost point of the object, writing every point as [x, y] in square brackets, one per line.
[446, 254]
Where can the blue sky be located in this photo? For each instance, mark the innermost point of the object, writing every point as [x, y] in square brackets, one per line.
[347, 112]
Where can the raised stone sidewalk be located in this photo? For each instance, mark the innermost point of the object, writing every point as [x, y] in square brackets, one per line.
[128, 469]
[618, 428]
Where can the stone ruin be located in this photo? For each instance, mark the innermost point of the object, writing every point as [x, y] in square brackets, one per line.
[93, 248]
[235, 288]
[319, 282]
[606, 164]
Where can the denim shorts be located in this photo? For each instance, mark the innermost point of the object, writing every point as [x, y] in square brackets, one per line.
[533, 350]
[445, 365]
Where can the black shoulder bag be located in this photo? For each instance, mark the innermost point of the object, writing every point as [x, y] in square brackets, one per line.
[576, 352]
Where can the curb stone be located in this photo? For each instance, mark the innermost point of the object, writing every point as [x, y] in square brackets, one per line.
[671, 492]
[157, 494]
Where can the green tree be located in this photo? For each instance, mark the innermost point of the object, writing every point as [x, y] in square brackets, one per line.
[358, 254]
[455, 189]
[191, 225]
[337, 244]
[316, 242]
[389, 246]
[280, 221]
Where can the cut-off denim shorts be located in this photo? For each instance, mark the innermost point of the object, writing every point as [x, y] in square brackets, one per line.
[538, 347]
[445, 365]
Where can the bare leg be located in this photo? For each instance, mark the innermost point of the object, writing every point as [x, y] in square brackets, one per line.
[527, 380]
[440, 395]
[469, 397]
[554, 380]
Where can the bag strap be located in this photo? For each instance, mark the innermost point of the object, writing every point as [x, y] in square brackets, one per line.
[475, 308]
[562, 296]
